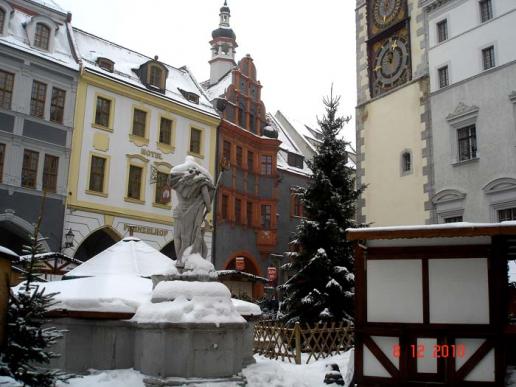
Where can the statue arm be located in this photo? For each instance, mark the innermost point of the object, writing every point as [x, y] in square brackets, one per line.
[206, 198]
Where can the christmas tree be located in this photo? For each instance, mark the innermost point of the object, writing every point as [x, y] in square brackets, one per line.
[28, 340]
[322, 285]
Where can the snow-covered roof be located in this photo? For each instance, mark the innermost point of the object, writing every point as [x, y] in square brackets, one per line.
[219, 88]
[17, 38]
[4, 251]
[458, 229]
[92, 47]
[130, 256]
[309, 135]
[252, 277]
[48, 4]
[45, 256]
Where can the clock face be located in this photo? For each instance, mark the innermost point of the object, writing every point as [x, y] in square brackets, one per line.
[385, 11]
[391, 64]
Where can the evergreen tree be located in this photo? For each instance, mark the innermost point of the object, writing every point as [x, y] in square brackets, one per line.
[28, 340]
[322, 287]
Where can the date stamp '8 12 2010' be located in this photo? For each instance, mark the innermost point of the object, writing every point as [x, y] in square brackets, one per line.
[438, 351]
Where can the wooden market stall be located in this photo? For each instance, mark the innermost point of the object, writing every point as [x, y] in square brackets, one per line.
[432, 304]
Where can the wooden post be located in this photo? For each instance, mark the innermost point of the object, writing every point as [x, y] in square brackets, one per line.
[297, 336]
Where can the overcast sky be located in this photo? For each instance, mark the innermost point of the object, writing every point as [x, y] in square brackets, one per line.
[299, 46]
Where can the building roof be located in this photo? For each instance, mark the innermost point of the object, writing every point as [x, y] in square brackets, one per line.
[218, 89]
[130, 256]
[48, 4]
[222, 32]
[127, 61]
[9, 254]
[16, 38]
[312, 137]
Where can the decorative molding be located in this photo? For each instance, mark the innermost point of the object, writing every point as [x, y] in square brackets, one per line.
[448, 195]
[500, 185]
[462, 113]
[430, 5]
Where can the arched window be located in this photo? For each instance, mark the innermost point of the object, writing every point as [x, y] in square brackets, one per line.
[42, 36]
[2, 20]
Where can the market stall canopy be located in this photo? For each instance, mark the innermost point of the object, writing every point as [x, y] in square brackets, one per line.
[8, 254]
[130, 256]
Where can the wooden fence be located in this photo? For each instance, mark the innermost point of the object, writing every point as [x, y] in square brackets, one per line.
[275, 340]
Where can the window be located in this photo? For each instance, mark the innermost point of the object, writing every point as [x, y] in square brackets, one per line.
[106, 64]
[37, 100]
[161, 186]
[488, 57]
[2, 157]
[241, 115]
[266, 165]
[467, 143]
[507, 214]
[226, 151]
[165, 131]
[155, 76]
[442, 31]
[225, 200]
[266, 216]
[50, 173]
[443, 77]
[97, 172]
[239, 155]
[42, 36]
[195, 141]
[139, 122]
[135, 182]
[238, 211]
[486, 10]
[29, 169]
[250, 161]
[2, 20]
[6, 89]
[297, 206]
[57, 105]
[249, 210]
[453, 219]
[295, 160]
[103, 112]
[406, 162]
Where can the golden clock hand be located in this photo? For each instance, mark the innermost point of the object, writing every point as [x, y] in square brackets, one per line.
[394, 44]
[378, 67]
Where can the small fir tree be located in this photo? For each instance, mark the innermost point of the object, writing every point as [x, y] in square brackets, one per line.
[322, 287]
[28, 340]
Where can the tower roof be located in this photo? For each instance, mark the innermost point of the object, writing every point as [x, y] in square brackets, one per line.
[224, 30]
[225, 7]
[223, 33]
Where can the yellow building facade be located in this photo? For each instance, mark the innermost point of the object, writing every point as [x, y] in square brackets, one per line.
[135, 119]
[392, 114]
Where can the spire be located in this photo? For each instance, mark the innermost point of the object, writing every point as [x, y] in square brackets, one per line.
[223, 46]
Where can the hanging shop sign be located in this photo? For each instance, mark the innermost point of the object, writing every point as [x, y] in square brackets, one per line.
[240, 263]
[272, 273]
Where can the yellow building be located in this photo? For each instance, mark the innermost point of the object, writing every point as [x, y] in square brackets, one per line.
[135, 118]
[392, 116]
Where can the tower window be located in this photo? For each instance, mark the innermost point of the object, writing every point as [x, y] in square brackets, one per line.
[443, 77]
[406, 162]
[486, 10]
[442, 31]
[467, 139]
[488, 57]
[42, 36]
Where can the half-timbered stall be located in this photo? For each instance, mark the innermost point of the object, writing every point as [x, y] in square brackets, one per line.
[432, 304]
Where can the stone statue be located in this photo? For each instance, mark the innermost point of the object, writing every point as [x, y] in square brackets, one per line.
[195, 190]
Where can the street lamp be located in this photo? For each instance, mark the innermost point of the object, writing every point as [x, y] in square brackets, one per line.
[69, 239]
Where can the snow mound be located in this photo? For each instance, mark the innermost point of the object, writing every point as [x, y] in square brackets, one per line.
[199, 309]
[246, 308]
[196, 263]
[170, 290]
[130, 256]
[122, 294]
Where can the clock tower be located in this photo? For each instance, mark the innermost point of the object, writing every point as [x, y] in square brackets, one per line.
[393, 125]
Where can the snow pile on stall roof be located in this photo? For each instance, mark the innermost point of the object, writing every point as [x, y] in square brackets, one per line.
[118, 294]
[130, 256]
[246, 308]
[170, 290]
[439, 226]
[188, 164]
[198, 309]
[6, 251]
[196, 264]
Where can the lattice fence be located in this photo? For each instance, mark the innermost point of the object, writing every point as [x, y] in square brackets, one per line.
[276, 340]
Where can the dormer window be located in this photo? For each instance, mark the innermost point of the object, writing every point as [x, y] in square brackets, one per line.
[295, 160]
[42, 36]
[155, 78]
[191, 97]
[106, 64]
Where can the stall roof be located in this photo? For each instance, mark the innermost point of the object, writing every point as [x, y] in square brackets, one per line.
[9, 254]
[449, 230]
